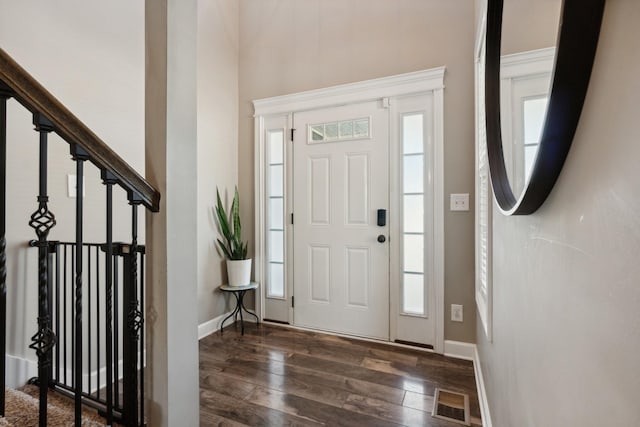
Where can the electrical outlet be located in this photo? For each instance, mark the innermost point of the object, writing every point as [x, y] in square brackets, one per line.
[456, 313]
[459, 202]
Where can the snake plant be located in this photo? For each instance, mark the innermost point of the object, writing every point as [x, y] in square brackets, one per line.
[232, 247]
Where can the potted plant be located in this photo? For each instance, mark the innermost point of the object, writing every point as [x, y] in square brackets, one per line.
[238, 265]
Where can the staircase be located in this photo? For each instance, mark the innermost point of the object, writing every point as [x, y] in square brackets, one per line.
[23, 404]
[77, 315]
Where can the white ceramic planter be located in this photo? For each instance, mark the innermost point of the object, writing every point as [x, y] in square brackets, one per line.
[239, 272]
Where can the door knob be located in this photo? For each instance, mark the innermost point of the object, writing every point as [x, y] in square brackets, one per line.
[381, 238]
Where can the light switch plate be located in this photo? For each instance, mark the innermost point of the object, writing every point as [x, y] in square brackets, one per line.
[71, 187]
[460, 202]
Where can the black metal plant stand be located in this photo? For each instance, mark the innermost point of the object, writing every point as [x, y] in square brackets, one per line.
[238, 292]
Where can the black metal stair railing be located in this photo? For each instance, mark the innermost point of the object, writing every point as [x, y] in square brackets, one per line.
[112, 377]
[90, 296]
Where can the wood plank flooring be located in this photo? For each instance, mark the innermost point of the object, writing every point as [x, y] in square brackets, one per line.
[277, 376]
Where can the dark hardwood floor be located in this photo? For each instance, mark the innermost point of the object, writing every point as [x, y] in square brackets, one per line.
[277, 376]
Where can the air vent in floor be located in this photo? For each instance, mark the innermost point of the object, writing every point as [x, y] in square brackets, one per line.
[451, 406]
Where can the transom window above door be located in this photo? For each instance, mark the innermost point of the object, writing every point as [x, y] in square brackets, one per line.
[344, 130]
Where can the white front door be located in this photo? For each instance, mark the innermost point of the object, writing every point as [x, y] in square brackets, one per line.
[340, 253]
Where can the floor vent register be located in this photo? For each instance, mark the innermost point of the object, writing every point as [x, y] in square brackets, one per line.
[451, 406]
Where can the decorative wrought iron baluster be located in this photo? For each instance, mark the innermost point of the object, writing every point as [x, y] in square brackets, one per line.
[98, 339]
[88, 286]
[56, 249]
[51, 262]
[134, 321]
[116, 322]
[141, 351]
[43, 221]
[109, 180]
[64, 318]
[5, 94]
[80, 156]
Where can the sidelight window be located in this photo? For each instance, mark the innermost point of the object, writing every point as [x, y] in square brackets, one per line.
[413, 161]
[275, 213]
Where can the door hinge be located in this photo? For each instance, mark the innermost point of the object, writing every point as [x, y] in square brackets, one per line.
[292, 302]
[291, 218]
[292, 132]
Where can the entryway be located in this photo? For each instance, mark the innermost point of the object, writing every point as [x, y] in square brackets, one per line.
[349, 209]
[280, 376]
[340, 251]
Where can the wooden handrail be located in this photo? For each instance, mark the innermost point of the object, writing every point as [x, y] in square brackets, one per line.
[34, 97]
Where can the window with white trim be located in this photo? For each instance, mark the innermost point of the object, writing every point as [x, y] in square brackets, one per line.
[413, 281]
[345, 130]
[484, 200]
[275, 213]
[483, 234]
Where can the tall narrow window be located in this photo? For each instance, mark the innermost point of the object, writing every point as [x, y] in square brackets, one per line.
[413, 214]
[275, 213]
[483, 217]
[484, 202]
[534, 111]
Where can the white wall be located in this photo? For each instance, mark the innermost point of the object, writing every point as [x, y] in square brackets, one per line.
[566, 324]
[217, 140]
[91, 56]
[288, 46]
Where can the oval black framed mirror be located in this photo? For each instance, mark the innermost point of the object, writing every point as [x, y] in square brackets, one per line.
[522, 175]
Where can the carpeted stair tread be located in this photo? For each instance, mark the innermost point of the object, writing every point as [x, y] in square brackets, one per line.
[21, 410]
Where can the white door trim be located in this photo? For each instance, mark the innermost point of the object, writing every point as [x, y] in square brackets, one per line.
[415, 83]
[385, 87]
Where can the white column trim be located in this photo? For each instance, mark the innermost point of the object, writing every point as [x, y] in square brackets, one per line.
[438, 216]
[259, 185]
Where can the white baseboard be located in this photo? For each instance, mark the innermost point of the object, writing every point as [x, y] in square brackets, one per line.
[459, 349]
[482, 393]
[102, 374]
[468, 351]
[19, 371]
[211, 326]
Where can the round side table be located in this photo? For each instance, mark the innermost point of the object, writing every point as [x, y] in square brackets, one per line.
[238, 292]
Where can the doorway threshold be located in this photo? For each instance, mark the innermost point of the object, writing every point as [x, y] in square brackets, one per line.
[399, 344]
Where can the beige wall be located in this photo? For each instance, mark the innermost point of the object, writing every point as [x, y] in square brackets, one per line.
[217, 139]
[91, 56]
[566, 332]
[529, 25]
[288, 46]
